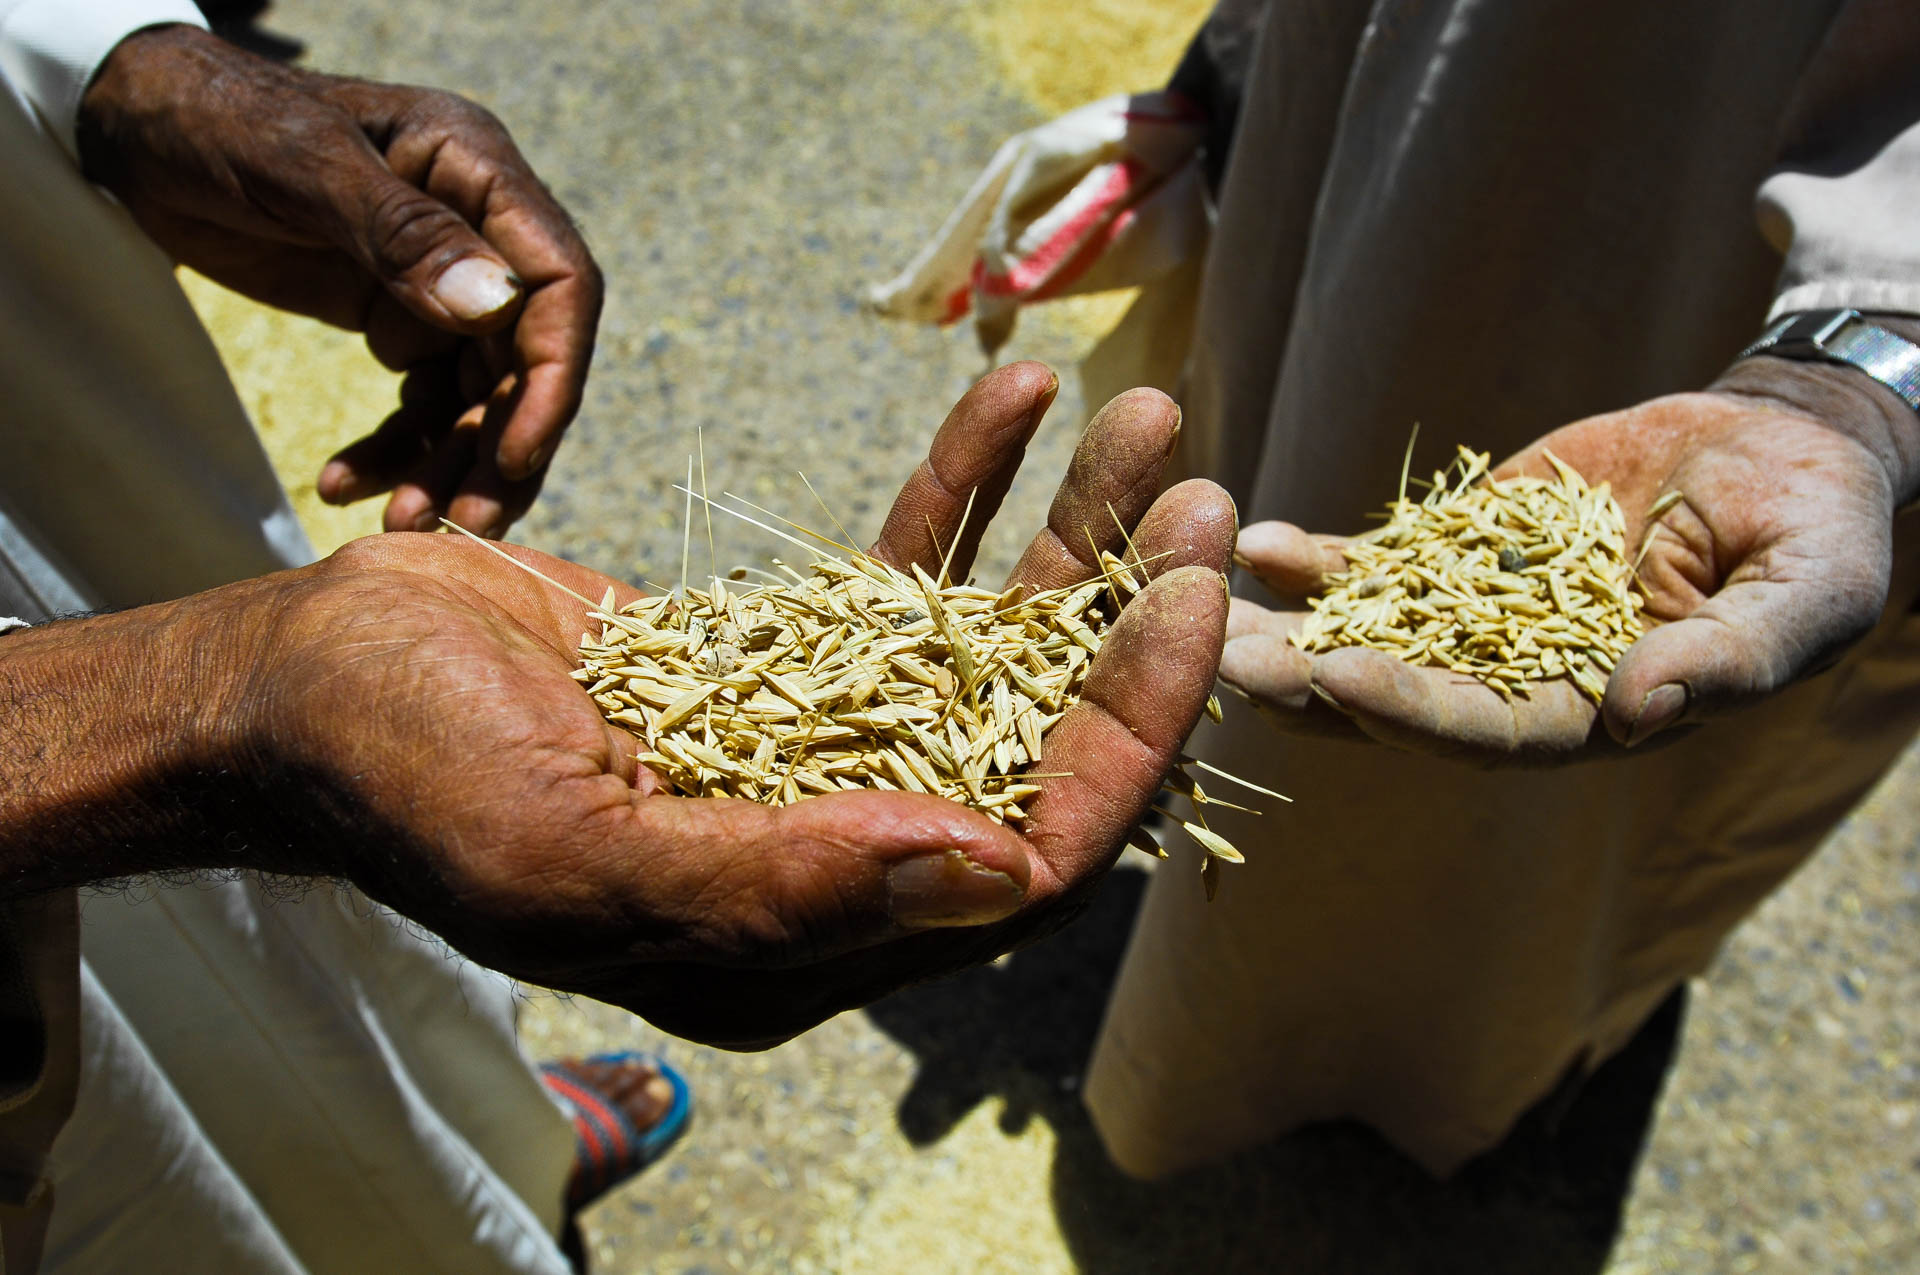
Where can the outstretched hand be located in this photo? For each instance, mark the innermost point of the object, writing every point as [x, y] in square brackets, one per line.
[1774, 560]
[420, 688]
[403, 213]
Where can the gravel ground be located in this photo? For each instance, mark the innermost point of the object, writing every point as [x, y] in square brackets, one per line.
[741, 168]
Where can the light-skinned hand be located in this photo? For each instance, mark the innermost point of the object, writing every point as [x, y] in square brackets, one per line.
[1773, 563]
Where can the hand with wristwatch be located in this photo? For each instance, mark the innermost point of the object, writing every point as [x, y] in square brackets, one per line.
[1774, 557]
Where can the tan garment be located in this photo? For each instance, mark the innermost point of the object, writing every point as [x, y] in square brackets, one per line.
[1494, 217]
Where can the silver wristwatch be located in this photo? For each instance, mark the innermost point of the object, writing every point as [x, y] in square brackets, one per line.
[1842, 336]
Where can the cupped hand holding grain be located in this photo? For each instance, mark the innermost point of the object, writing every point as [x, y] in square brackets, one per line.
[1765, 510]
[404, 213]
[403, 715]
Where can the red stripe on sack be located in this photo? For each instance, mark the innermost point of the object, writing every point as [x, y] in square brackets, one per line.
[1063, 244]
[959, 301]
[1081, 261]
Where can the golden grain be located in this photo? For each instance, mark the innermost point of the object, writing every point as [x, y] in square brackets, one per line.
[1512, 581]
[853, 675]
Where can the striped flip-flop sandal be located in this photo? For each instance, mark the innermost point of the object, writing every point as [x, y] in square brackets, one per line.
[608, 1147]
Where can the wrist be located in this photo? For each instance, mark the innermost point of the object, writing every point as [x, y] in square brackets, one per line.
[138, 85]
[1844, 399]
[128, 744]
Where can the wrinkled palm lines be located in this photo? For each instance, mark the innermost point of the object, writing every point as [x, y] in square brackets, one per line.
[1511, 581]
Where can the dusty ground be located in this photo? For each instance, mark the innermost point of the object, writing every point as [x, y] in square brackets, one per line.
[741, 168]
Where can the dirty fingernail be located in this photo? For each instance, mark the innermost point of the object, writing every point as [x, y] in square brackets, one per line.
[1659, 710]
[948, 889]
[474, 288]
[1325, 697]
[332, 484]
[1044, 402]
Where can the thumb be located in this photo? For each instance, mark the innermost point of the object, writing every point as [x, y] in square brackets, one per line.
[1744, 643]
[1288, 560]
[773, 887]
[421, 250]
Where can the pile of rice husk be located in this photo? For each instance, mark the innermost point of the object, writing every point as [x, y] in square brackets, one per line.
[853, 675]
[1512, 581]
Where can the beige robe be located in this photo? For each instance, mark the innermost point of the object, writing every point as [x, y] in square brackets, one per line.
[1494, 217]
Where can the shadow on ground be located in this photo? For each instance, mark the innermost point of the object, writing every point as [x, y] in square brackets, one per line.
[1329, 1199]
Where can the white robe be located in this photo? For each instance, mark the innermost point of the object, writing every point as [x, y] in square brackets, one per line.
[282, 1085]
[1493, 217]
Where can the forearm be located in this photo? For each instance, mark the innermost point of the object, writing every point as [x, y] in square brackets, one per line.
[1845, 399]
[122, 747]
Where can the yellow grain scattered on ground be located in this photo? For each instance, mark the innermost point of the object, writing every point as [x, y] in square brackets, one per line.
[1059, 56]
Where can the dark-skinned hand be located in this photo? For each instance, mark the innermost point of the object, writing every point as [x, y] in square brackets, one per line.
[1775, 560]
[403, 213]
[402, 715]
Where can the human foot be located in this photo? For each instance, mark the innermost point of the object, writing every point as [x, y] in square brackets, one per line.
[627, 1109]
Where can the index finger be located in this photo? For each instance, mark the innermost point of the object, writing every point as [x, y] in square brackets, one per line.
[1435, 710]
[466, 159]
[969, 467]
[1291, 562]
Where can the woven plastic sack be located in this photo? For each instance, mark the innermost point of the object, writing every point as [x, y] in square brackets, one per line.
[1111, 195]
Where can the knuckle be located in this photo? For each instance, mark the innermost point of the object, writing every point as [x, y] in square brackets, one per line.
[592, 280]
[451, 113]
[406, 228]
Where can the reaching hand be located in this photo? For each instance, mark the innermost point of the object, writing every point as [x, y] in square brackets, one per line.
[1774, 561]
[403, 213]
[402, 714]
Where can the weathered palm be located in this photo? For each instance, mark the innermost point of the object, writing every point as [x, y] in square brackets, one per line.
[1773, 561]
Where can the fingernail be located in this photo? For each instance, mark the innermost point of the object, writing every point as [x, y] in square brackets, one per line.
[1044, 402]
[1325, 697]
[333, 480]
[538, 457]
[1660, 709]
[948, 889]
[428, 521]
[474, 288]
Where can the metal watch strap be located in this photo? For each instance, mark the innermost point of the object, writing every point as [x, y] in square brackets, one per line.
[1843, 336]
